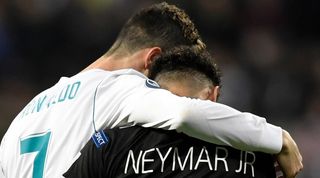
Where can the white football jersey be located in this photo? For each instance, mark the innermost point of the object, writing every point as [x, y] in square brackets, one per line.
[46, 136]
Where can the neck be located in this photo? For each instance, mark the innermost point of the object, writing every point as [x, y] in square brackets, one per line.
[116, 62]
[109, 63]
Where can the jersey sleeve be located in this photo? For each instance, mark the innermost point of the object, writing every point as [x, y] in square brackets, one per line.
[206, 120]
[132, 100]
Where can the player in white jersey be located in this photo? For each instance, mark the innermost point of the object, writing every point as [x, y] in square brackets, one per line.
[44, 138]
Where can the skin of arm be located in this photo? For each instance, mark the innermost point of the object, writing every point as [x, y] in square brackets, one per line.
[289, 158]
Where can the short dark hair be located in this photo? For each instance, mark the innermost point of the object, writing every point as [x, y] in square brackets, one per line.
[162, 25]
[186, 59]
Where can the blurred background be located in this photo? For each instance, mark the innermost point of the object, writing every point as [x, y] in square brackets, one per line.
[268, 51]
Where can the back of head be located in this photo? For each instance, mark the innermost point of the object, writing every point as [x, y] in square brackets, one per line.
[160, 25]
[185, 65]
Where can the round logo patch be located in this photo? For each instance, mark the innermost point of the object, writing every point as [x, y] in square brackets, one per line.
[152, 84]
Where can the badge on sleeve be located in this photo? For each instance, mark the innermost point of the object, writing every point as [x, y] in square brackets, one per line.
[100, 138]
[152, 84]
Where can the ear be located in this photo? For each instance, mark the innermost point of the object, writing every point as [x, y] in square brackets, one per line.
[152, 52]
[214, 94]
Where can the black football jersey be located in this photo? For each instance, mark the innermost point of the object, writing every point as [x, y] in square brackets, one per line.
[141, 152]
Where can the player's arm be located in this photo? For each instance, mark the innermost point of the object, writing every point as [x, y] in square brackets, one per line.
[208, 121]
[133, 101]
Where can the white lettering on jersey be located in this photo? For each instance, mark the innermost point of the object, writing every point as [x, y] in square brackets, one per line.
[38, 103]
[163, 159]
[144, 160]
[220, 155]
[206, 160]
[134, 165]
[223, 159]
[245, 163]
[176, 155]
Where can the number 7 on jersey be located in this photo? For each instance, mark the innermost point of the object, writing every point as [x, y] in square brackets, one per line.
[36, 143]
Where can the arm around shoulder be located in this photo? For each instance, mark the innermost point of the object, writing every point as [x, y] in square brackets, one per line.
[207, 121]
[220, 124]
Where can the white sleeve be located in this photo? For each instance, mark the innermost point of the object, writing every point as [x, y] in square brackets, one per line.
[206, 120]
[127, 99]
[1, 172]
[1, 166]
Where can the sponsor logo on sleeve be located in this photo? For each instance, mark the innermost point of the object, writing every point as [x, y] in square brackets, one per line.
[100, 139]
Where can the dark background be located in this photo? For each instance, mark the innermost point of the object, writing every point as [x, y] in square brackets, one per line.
[268, 50]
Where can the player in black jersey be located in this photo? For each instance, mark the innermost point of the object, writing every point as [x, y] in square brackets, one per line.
[140, 152]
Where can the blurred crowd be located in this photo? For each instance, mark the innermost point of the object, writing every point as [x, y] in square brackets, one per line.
[268, 51]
